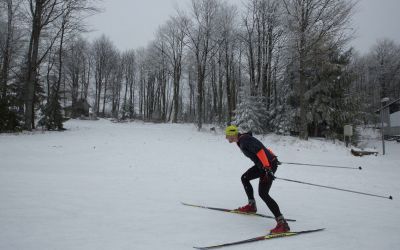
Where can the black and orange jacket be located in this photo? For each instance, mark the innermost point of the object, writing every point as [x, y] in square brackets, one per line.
[257, 152]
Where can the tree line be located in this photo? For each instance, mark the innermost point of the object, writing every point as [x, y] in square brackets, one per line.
[279, 66]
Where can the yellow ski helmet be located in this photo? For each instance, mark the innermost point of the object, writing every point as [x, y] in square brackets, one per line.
[231, 130]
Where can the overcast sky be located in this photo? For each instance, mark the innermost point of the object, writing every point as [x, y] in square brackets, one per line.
[131, 24]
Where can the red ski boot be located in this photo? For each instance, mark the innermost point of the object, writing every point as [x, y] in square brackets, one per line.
[249, 208]
[281, 226]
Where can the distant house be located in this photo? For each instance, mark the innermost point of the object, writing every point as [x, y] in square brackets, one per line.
[80, 108]
[392, 120]
[395, 119]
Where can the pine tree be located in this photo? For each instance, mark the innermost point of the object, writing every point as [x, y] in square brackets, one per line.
[283, 117]
[331, 106]
[286, 116]
[251, 113]
[52, 114]
[11, 119]
[127, 110]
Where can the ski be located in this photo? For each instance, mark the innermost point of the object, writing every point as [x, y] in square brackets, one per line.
[260, 238]
[232, 211]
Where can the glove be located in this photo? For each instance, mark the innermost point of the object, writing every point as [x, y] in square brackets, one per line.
[270, 174]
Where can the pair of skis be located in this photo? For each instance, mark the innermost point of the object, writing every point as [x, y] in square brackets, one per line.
[232, 211]
[259, 238]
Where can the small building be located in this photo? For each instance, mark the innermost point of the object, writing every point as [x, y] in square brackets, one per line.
[392, 120]
[79, 109]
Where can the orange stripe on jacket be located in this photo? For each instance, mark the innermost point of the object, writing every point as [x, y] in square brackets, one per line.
[263, 158]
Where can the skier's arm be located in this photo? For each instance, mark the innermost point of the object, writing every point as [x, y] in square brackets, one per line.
[258, 155]
[266, 165]
[263, 159]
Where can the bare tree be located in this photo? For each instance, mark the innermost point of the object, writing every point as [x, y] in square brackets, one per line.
[174, 36]
[104, 53]
[273, 33]
[386, 68]
[7, 49]
[262, 32]
[200, 33]
[67, 25]
[43, 12]
[129, 73]
[70, 23]
[152, 80]
[141, 56]
[116, 86]
[228, 48]
[249, 23]
[50, 24]
[76, 69]
[8, 56]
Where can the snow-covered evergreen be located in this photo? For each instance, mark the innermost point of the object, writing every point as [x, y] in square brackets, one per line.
[251, 113]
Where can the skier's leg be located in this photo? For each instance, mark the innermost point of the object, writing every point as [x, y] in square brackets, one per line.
[251, 174]
[263, 190]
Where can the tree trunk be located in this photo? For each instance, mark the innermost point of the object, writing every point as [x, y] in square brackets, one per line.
[220, 88]
[302, 90]
[32, 67]
[7, 51]
[105, 94]
[86, 87]
[131, 100]
[252, 69]
[60, 61]
[228, 84]
[177, 76]
[200, 95]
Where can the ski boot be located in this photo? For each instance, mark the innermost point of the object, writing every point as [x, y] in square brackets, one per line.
[249, 208]
[281, 226]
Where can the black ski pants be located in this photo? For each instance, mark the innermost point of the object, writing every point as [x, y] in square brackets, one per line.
[264, 186]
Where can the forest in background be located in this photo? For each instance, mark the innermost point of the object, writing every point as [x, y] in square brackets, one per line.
[280, 66]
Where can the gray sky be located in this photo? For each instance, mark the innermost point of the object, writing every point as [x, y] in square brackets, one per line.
[132, 23]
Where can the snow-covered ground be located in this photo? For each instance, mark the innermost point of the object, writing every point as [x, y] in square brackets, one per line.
[101, 185]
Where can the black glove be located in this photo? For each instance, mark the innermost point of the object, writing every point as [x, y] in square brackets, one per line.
[270, 174]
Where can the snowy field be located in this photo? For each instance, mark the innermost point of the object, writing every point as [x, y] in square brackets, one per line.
[101, 185]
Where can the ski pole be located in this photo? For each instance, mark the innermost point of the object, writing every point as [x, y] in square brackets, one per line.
[335, 188]
[319, 165]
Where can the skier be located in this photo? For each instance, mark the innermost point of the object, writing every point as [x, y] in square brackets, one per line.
[266, 164]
